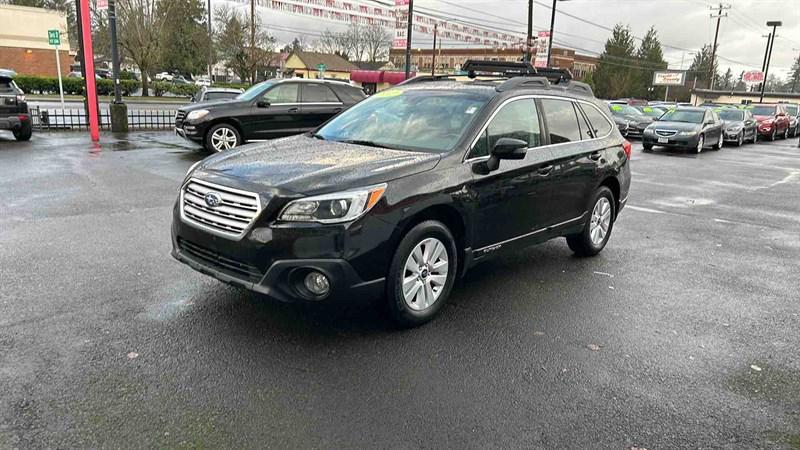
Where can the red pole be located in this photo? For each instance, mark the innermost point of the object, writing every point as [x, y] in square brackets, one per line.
[88, 60]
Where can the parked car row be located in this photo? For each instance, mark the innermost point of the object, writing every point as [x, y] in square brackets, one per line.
[397, 196]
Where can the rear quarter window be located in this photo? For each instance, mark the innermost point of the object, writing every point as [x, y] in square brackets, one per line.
[349, 94]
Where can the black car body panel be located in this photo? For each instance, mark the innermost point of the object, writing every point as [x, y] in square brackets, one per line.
[257, 119]
[526, 201]
[14, 114]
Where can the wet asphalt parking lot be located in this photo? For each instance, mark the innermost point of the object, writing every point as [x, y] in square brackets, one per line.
[683, 333]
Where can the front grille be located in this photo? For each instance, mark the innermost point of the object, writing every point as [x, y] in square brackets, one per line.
[230, 218]
[666, 133]
[223, 263]
[179, 118]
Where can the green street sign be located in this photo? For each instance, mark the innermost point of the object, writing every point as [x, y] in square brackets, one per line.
[54, 37]
[322, 67]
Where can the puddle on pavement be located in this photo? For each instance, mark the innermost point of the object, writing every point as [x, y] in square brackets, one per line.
[169, 310]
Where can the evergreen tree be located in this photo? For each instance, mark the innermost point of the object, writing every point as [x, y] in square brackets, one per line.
[726, 83]
[185, 38]
[701, 67]
[616, 74]
[651, 58]
[794, 76]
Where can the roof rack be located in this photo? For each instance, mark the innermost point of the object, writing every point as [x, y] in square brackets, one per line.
[421, 78]
[522, 75]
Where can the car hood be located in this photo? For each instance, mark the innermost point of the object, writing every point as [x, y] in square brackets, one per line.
[733, 123]
[763, 118]
[639, 119]
[306, 165]
[679, 126]
[216, 104]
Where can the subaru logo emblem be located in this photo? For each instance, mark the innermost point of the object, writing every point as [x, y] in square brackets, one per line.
[213, 199]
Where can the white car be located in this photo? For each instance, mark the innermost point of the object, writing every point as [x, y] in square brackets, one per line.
[164, 76]
[202, 81]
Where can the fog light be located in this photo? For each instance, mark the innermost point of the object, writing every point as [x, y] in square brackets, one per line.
[317, 283]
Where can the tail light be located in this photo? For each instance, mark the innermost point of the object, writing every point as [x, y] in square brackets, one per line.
[627, 148]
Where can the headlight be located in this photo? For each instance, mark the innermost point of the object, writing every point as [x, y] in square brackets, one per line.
[333, 208]
[734, 129]
[199, 114]
[687, 133]
[649, 130]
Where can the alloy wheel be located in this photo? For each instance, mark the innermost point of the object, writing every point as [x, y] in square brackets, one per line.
[223, 139]
[700, 143]
[601, 221]
[740, 139]
[425, 274]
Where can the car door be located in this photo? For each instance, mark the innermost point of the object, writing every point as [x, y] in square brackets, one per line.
[577, 154]
[750, 125]
[514, 201]
[318, 104]
[275, 114]
[710, 129]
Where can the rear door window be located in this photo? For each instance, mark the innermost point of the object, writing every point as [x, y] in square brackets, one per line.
[599, 124]
[562, 121]
[517, 120]
[318, 93]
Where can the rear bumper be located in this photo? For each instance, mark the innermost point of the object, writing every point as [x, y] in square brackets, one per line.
[11, 123]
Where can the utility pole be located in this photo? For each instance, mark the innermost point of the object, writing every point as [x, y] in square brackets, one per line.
[529, 42]
[112, 24]
[210, 43]
[253, 40]
[719, 17]
[552, 25]
[774, 25]
[433, 50]
[408, 37]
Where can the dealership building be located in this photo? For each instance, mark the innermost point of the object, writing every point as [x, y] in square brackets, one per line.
[24, 46]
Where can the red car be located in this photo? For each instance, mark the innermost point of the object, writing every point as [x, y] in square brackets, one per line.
[773, 121]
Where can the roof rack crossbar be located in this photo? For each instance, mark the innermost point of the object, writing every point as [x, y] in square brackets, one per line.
[423, 78]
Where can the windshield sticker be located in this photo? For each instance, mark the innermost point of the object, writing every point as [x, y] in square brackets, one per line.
[647, 109]
[389, 93]
[471, 110]
[616, 108]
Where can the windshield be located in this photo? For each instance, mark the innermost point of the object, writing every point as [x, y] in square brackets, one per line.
[651, 111]
[427, 120]
[731, 114]
[624, 110]
[677, 115]
[763, 110]
[255, 91]
[791, 110]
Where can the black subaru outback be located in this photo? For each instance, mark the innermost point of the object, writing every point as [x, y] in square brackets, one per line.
[398, 196]
[13, 108]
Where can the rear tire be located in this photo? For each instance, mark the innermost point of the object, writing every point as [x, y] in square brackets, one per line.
[719, 144]
[597, 230]
[422, 274]
[786, 133]
[24, 133]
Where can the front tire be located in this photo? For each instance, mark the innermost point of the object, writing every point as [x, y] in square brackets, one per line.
[740, 139]
[701, 142]
[719, 144]
[24, 133]
[774, 135]
[595, 234]
[786, 133]
[422, 274]
[222, 137]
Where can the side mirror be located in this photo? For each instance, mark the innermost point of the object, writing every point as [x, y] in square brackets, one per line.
[262, 104]
[510, 148]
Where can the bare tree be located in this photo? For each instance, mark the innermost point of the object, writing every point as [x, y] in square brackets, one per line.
[141, 23]
[232, 41]
[377, 41]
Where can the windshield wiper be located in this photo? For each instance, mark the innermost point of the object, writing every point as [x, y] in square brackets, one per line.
[366, 143]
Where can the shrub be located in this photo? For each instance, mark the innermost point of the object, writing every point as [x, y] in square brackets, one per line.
[31, 84]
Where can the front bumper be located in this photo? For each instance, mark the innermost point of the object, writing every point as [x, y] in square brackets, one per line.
[190, 132]
[731, 136]
[273, 259]
[671, 141]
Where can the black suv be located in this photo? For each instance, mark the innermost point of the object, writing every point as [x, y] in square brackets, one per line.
[271, 109]
[401, 194]
[14, 114]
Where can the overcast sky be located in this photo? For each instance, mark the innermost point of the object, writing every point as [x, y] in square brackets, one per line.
[684, 25]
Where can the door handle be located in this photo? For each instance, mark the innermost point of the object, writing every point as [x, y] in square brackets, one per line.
[595, 156]
[545, 170]
[294, 110]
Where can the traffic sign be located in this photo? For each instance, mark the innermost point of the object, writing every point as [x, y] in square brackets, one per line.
[54, 37]
[322, 67]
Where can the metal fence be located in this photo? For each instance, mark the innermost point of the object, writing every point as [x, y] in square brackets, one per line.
[76, 119]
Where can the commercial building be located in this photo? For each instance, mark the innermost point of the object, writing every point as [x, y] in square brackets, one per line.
[24, 46]
[700, 96]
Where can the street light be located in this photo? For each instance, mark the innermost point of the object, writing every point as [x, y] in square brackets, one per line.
[774, 24]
